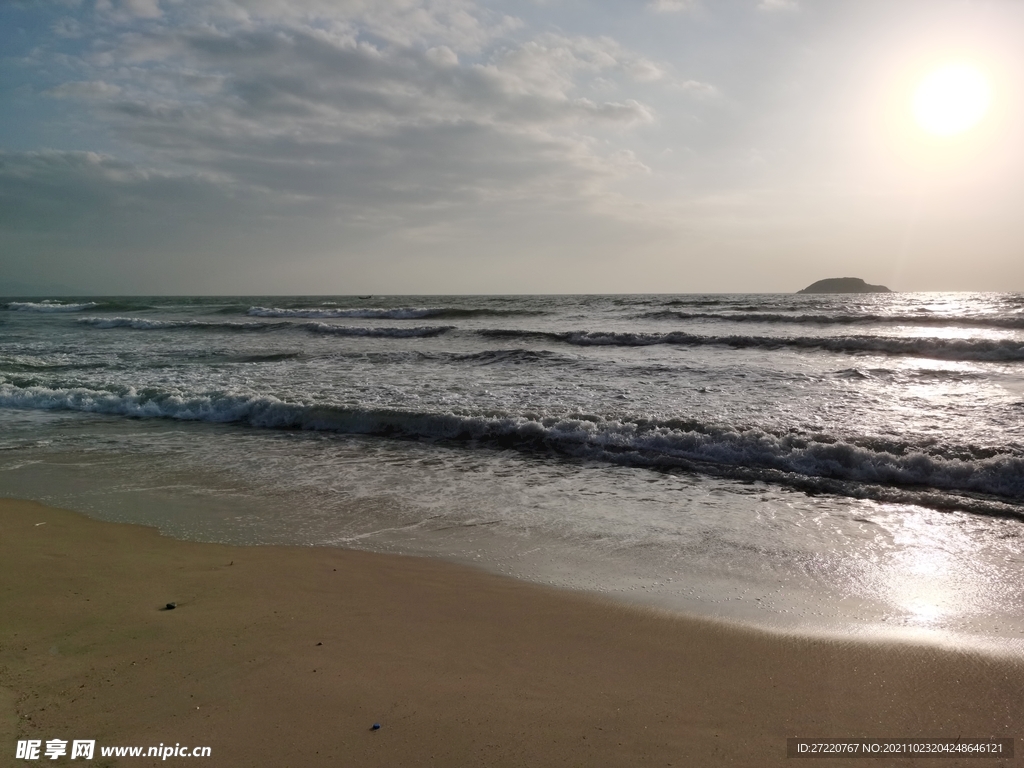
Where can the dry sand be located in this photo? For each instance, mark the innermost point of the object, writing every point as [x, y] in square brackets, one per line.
[282, 656]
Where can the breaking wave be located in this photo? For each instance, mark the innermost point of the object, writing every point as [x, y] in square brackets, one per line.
[1007, 350]
[49, 306]
[143, 324]
[514, 357]
[998, 350]
[397, 313]
[932, 321]
[394, 333]
[988, 481]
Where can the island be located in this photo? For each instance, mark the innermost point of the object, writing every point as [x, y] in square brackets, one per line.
[844, 285]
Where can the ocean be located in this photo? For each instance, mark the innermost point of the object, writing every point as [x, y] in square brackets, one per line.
[839, 464]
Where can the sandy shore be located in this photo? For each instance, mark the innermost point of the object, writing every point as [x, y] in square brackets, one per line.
[280, 656]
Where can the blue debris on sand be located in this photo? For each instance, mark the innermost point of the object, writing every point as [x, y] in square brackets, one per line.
[375, 727]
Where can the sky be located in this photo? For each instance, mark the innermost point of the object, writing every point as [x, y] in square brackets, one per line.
[502, 146]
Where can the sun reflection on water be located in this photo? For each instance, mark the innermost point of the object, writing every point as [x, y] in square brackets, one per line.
[929, 571]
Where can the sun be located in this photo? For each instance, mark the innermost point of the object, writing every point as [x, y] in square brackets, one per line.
[951, 100]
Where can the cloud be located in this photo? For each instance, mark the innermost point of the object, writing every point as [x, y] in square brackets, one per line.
[87, 90]
[672, 6]
[645, 71]
[697, 88]
[149, 9]
[299, 118]
[125, 10]
[91, 221]
[332, 113]
[461, 24]
[67, 27]
[236, 124]
[778, 5]
[54, 192]
[443, 56]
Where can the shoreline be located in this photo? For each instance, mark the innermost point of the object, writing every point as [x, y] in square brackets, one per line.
[983, 615]
[286, 656]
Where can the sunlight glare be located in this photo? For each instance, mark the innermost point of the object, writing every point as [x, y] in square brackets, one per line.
[951, 100]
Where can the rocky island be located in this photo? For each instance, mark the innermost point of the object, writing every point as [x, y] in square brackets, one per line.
[844, 285]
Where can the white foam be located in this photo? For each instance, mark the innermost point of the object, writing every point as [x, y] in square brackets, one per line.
[49, 305]
[144, 324]
[936, 348]
[877, 469]
[385, 332]
[313, 313]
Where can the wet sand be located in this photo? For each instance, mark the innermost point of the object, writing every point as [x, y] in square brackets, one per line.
[286, 656]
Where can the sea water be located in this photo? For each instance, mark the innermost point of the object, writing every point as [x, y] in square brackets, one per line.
[818, 463]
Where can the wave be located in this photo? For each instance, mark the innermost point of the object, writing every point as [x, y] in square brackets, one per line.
[989, 481]
[387, 332]
[1006, 350]
[696, 302]
[52, 305]
[935, 321]
[911, 374]
[49, 305]
[270, 357]
[741, 304]
[398, 313]
[143, 324]
[514, 356]
[30, 365]
[122, 305]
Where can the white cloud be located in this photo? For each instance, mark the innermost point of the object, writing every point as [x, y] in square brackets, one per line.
[697, 88]
[325, 118]
[672, 6]
[645, 71]
[67, 27]
[460, 24]
[126, 10]
[443, 56]
[148, 9]
[304, 100]
[778, 5]
[89, 90]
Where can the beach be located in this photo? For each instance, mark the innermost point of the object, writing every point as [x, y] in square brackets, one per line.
[287, 656]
